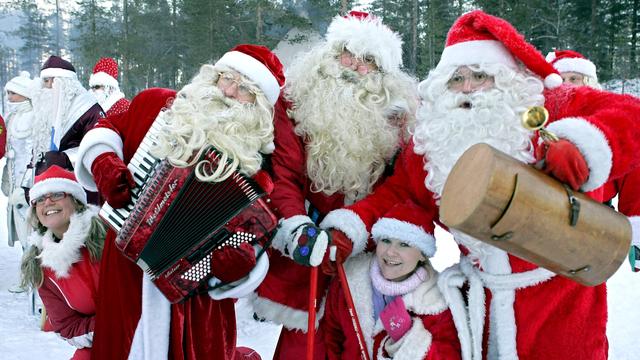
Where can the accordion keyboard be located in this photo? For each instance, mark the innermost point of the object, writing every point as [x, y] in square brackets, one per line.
[142, 166]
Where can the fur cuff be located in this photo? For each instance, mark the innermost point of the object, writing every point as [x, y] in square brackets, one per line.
[635, 230]
[593, 145]
[94, 143]
[283, 240]
[414, 344]
[290, 318]
[349, 223]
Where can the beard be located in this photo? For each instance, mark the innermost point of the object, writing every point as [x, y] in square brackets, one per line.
[449, 123]
[201, 115]
[100, 95]
[345, 119]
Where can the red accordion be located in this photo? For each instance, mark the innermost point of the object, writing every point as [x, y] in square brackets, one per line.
[178, 220]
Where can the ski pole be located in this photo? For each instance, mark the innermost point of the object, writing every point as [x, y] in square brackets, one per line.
[311, 326]
[352, 312]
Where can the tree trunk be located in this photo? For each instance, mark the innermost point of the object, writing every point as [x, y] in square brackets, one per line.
[413, 62]
[633, 64]
[259, 23]
[125, 41]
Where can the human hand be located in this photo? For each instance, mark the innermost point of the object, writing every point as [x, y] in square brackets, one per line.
[113, 179]
[343, 246]
[309, 245]
[230, 263]
[563, 161]
[396, 319]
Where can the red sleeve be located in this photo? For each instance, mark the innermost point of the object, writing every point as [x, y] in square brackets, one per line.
[289, 169]
[3, 137]
[65, 321]
[334, 337]
[629, 193]
[395, 189]
[444, 342]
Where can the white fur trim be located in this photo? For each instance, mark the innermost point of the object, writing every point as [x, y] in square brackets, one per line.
[484, 52]
[284, 238]
[111, 100]
[579, 65]
[52, 185]
[268, 148]
[81, 341]
[102, 79]
[413, 345]
[450, 282]
[357, 271]
[151, 339]
[255, 70]
[552, 81]
[72, 154]
[367, 37]
[57, 72]
[87, 153]
[349, 223]
[414, 235]
[60, 256]
[290, 318]
[635, 230]
[593, 145]
[246, 285]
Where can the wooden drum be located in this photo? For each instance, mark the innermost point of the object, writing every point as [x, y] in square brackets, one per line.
[511, 205]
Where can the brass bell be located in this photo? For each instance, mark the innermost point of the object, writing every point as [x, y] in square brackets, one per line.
[535, 118]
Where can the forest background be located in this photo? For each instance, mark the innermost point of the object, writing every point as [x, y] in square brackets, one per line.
[163, 42]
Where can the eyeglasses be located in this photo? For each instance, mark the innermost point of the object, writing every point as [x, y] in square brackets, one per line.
[460, 77]
[97, 87]
[348, 59]
[56, 196]
[244, 92]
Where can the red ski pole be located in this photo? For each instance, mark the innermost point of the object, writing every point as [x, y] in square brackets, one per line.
[311, 325]
[352, 312]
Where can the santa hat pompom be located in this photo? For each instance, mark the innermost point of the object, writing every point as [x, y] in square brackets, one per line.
[258, 64]
[410, 224]
[364, 34]
[477, 38]
[57, 179]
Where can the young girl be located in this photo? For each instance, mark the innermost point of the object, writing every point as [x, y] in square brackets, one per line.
[63, 260]
[401, 311]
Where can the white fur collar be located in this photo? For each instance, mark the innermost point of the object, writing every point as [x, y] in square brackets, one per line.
[59, 256]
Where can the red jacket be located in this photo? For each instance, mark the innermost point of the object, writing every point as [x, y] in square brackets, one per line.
[69, 291]
[432, 335]
[538, 309]
[3, 137]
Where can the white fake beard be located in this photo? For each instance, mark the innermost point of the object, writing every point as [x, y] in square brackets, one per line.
[445, 131]
[237, 130]
[100, 95]
[45, 109]
[342, 117]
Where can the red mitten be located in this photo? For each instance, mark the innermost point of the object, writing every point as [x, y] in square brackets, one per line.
[344, 247]
[113, 180]
[233, 263]
[564, 162]
[396, 319]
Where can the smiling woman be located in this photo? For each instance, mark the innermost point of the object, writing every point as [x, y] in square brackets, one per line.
[402, 313]
[63, 260]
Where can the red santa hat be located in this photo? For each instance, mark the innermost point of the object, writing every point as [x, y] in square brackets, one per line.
[259, 65]
[363, 34]
[57, 179]
[479, 38]
[105, 73]
[409, 223]
[572, 61]
[57, 67]
[22, 85]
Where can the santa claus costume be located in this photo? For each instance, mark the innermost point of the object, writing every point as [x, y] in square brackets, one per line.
[429, 331]
[20, 121]
[65, 112]
[103, 84]
[626, 188]
[134, 319]
[66, 270]
[347, 122]
[511, 308]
